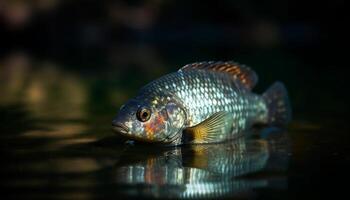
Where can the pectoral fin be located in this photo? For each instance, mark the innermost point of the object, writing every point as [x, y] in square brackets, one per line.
[214, 129]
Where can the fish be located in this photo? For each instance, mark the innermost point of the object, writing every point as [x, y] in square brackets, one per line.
[201, 103]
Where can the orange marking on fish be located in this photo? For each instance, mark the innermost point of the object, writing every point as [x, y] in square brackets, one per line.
[153, 126]
[149, 128]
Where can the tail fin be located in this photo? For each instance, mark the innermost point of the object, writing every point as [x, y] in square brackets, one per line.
[276, 98]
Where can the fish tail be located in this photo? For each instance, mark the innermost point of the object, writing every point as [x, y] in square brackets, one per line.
[279, 109]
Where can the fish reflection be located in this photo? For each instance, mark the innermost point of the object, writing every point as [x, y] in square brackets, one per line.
[199, 171]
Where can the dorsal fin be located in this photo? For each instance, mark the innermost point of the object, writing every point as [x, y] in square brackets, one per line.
[244, 74]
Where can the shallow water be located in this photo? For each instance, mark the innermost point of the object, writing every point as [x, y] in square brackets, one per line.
[57, 143]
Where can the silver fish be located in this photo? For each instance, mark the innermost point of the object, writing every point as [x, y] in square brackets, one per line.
[205, 102]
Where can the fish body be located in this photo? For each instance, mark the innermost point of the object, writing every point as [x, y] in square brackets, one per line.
[203, 102]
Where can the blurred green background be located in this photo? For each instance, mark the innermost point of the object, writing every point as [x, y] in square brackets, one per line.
[126, 44]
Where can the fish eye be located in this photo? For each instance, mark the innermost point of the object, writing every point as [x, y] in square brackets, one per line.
[143, 114]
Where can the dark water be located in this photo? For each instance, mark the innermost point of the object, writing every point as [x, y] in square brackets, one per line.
[57, 143]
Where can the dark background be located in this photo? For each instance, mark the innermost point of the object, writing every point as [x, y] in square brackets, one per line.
[301, 43]
[116, 47]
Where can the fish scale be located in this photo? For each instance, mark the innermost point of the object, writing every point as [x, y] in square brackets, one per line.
[221, 93]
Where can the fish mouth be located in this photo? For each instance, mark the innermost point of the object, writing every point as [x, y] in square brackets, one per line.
[120, 128]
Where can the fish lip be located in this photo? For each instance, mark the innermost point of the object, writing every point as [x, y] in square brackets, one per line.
[120, 128]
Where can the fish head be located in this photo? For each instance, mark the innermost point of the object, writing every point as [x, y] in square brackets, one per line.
[150, 120]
